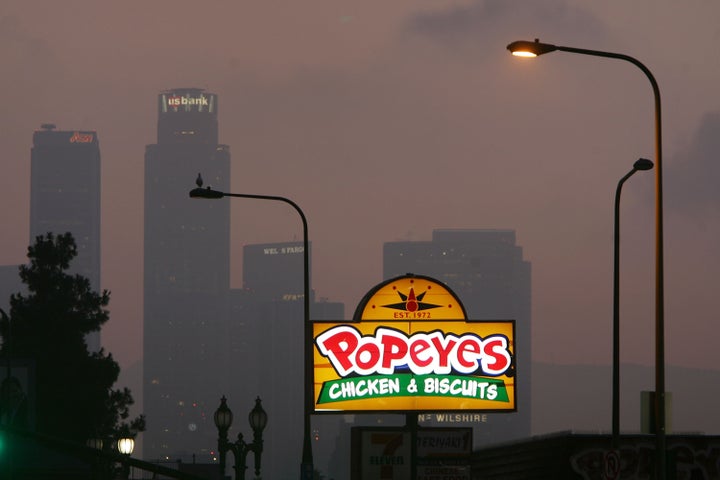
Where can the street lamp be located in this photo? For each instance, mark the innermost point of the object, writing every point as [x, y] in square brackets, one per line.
[101, 468]
[641, 164]
[240, 448]
[306, 466]
[125, 446]
[524, 48]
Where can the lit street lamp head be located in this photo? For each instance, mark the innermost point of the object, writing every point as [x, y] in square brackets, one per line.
[524, 48]
[126, 445]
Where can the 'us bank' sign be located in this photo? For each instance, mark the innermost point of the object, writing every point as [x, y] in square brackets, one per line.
[410, 348]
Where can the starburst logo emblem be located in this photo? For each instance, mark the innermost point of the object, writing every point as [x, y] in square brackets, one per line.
[411, 302]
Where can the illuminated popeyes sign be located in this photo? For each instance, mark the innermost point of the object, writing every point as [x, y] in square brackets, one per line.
[410, 347]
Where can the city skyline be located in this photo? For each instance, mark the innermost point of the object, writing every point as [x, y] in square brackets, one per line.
[409, 117]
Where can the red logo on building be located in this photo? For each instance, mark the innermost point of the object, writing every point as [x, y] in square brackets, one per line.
[78, 137]
[174, 101]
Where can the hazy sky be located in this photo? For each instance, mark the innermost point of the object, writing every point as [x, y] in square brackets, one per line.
[386, 119]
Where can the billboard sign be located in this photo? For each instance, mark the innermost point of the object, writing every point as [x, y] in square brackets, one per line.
[412, 350]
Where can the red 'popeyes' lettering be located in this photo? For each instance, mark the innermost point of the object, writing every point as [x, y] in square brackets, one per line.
[341, 344]
[417, 349]
[494, 357]
[444, 351]
[395, 350]
[423, 353]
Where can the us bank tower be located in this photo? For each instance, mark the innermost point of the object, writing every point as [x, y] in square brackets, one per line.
[186, 275]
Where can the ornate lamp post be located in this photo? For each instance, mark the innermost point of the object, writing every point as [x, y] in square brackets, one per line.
[306, 465]
[525, 48]
[240, 448]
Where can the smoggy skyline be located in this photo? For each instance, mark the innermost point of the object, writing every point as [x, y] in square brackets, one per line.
[385, 120]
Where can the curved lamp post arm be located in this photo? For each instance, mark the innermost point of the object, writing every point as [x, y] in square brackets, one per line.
[208, 192]
[659, 291]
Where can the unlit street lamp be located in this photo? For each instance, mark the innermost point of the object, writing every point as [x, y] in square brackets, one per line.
[641, 164]
[306, 465]
[524, 48]
[240, 448]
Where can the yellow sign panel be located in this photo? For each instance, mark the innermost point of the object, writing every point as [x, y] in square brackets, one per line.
[412, 298]
[413, 350]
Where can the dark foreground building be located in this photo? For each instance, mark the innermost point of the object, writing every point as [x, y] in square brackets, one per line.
[560, 456]
[572, 456]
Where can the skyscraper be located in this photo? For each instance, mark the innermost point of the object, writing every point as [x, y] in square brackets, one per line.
[272, 329]
[65, 196]
[274, 271]
[485, 268]
[186, 275]
[202, 339]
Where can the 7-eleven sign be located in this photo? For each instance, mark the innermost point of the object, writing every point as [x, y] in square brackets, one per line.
[382, 454]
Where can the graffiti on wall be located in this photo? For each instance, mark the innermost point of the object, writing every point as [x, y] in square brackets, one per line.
[638, 461]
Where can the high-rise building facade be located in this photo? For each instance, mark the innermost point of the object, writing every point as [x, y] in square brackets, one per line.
[186, 276]
[272, 322]
[65, 197]
[486, 269]
[274, 271]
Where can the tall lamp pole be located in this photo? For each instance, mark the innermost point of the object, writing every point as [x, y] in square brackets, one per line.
[641, 164]
[524, 48]
[306, 466]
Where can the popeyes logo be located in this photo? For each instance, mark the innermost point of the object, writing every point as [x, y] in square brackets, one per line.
[410, 347]
[390, 350]
[78, 137]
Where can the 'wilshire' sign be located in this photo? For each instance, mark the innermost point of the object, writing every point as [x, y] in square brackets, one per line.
[411, 348]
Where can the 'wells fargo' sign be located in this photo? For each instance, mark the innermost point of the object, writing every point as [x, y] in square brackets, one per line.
[411, 348]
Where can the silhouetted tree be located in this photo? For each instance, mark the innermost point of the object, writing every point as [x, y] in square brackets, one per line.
[74, 395]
